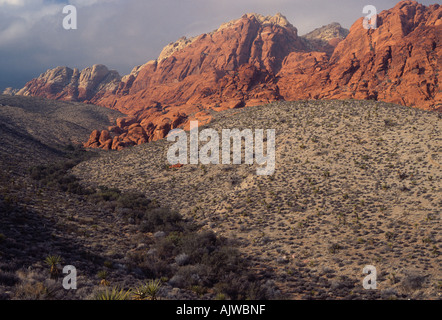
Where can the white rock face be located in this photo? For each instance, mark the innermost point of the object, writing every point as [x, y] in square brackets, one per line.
[173, 47]
[71, 84]
[326, 33]
[10, 91]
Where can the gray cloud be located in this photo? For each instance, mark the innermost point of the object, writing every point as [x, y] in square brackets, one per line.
[124, 33]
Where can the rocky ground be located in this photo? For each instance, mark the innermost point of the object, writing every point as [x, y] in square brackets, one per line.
[357, 183]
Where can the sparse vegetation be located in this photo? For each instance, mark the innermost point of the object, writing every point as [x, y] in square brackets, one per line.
[359, 192]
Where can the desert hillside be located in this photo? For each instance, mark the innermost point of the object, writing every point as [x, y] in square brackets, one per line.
[36, 130]
[356, 183]
[49, 220]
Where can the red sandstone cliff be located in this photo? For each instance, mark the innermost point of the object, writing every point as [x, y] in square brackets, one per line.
[255, 60]
[398, 62]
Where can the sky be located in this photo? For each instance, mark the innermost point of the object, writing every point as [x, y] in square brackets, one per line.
[122, 34]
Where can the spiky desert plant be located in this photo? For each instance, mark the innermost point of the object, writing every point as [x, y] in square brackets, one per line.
[113, 294]
[140, 293]
[147, 291]
[53, 261]
[153, 287]
[103, 276]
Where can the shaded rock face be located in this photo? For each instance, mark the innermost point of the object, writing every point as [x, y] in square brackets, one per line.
[255, 60]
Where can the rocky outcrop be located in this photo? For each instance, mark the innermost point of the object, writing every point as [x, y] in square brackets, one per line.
[10, 91]
[326, 38]
[326, 33]
[63, 83]
[148, 125]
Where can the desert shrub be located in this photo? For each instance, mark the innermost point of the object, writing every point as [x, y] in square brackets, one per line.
[389, 123]
[175, 237]
[241, 287]
[133, 201]
[35, 291]
[165, 249]
[334, 247]
[198, 244]
[104, 194]
[182, 259]
[161, 219]
[412, 281]
[155, 267]
[207, 261]
[192, 275]
[222, 261]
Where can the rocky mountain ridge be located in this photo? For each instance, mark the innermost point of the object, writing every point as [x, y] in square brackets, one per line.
[255, 60]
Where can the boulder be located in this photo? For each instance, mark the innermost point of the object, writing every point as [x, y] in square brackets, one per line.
[93, 140]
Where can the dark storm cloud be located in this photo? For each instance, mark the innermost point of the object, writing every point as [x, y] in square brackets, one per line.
[124, 33]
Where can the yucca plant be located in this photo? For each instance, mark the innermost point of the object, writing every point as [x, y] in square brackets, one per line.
[153, 287]
[140, 293]
[53, 261]
[113, 294]
[103, 276]
[147, 291]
